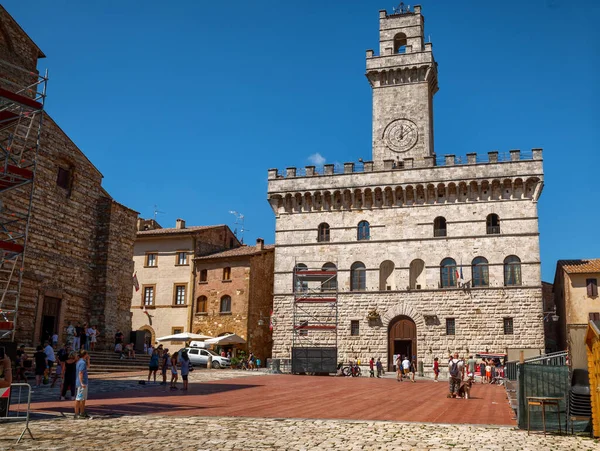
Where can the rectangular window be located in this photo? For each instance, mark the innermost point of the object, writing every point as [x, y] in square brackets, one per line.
[182, 258]
[508, 326]
[227, 273]
[152, 259]
[354, 328]
[592, 287]
[203, 275]
[594, 316]
[303, 332]
[201, 306]
[64, 178]
[180, 294]
[148, 295]
[450, 326]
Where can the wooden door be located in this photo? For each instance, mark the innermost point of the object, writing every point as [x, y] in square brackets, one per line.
[402, 330]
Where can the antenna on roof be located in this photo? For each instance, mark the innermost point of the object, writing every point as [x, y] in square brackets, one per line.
[239, 220]
[157, 211]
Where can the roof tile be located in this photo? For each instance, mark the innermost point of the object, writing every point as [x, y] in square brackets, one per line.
[175, 230]
[237, 252]
[580, 266]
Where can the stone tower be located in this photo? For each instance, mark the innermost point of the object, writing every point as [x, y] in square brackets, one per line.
[404, 80]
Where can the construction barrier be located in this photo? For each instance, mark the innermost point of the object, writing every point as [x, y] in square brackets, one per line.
[17, 393]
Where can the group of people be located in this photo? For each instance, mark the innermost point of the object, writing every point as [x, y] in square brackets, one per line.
[70, 371]
[80, 337]
[160, 359]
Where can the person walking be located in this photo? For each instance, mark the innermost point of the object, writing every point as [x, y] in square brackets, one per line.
[455, 371]
[372, 367]
[413, 368]
[173, 366]
[69, 375]
[82, 385]
[41, 363]
[153, 366]
[471, 363]
[379, 367]
[399, 368]
[49, 351]
[185, 368]
[436, 369]
[164, 365]
[406, 366]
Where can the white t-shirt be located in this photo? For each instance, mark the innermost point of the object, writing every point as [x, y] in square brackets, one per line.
[55, 338]
[91, 332]
[49, 353]
[406, 364]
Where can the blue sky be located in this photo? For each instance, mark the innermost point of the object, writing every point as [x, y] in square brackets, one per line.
[186, 104]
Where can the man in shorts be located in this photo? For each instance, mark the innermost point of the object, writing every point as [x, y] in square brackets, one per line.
[81, 382]
[406, 367]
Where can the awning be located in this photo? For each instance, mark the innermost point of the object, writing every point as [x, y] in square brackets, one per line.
[227, 340]
[185, 336]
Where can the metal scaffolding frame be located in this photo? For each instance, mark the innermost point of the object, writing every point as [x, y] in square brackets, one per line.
[21, 121]
[315, 317]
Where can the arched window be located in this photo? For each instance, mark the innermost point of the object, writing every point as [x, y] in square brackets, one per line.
[364, 232]
[439, 226]
[480, 272]
[417, 274]
[512, 270]
[323, 234]
[358, 277]
[225, 304]
[301, 284]
[448, 272]
[201, 304]
[493, 224]
[386, 276]
[330, 284]
[400, 43]
[227, 273]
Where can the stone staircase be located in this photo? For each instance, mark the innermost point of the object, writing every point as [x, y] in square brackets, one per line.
[109, 362]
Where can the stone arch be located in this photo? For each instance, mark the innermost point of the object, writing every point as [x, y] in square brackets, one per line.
[403, 308]
[150, 330]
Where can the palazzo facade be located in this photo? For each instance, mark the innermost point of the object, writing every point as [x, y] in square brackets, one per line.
[431, 254]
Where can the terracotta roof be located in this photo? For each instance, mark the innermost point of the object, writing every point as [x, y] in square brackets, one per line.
[238, 252]
[580, 266]
[176, 231]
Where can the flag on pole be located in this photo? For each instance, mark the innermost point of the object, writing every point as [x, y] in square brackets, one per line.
[136, 284]
[271, 321]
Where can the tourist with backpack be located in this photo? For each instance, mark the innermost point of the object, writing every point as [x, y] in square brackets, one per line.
[455, 371]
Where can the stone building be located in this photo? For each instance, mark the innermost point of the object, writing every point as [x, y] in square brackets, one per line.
[577, 303]
[77, 263]
[234, 294]
[428, 254]
[163, 263]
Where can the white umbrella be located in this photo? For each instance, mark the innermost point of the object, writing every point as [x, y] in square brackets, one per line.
[185, 336]
[227, 340]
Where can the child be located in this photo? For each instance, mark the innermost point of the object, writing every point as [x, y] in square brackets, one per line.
[436, 369]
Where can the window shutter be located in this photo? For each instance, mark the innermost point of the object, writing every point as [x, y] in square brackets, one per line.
[592, 287]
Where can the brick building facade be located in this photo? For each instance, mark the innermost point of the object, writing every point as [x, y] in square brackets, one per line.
[234, 294]
[433, 254]
[164, 266]
[78, 258]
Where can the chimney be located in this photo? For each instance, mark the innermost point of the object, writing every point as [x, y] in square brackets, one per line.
[260, 244]
[140, 221]
[180, 224]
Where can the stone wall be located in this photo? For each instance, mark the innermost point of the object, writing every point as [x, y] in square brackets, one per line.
[479, 317]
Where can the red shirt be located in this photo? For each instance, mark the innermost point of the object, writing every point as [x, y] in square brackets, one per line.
[436, 366]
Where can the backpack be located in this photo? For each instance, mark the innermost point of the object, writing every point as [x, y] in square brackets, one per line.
[454, 369]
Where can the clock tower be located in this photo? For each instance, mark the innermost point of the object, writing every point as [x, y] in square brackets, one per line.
[404, 80]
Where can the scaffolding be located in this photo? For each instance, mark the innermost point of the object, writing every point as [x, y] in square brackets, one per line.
[315, 317]
[22, 98]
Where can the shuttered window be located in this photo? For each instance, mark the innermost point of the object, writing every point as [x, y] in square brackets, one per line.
[592, 287]
[594, 316]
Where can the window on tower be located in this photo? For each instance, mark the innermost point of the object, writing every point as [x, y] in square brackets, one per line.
[400, 43]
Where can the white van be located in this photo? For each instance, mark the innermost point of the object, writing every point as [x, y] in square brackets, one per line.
[200, 344]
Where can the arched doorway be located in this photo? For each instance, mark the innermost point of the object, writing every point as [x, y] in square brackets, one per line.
[402, 339]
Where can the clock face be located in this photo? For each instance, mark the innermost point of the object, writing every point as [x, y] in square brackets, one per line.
[401, 135]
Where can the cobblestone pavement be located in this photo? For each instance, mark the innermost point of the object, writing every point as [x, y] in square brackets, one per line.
[117, 382]
[201, 433]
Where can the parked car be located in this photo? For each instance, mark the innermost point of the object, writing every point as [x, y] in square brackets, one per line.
[199, 357]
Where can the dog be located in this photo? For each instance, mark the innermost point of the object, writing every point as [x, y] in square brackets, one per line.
[465, 389]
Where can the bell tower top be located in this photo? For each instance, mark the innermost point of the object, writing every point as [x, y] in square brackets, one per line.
[404, 80]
